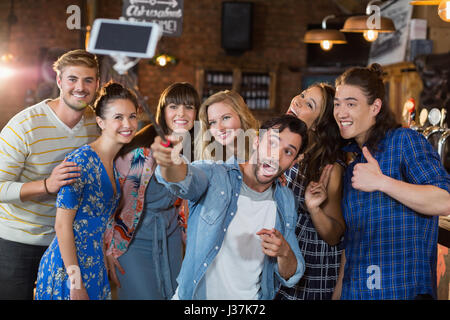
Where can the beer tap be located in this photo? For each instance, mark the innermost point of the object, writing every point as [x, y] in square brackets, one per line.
[423, 116]
[433, 132]
[434, 117]
[444, 136]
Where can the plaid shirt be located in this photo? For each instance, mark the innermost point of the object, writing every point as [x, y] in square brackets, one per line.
[391, 249]
[322, 260]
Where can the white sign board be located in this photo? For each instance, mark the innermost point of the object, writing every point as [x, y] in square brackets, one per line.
[390, 48]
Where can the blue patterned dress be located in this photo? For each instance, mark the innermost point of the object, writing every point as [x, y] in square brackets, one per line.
[93, 197]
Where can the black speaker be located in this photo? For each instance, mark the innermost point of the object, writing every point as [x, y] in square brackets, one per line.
[237, 27]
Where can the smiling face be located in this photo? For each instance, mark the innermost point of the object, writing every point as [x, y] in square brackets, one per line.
[276, 152]
[223, 122]
[78, 86]
[119, 122]
[354, 116]
[307, 106]
[179, 117]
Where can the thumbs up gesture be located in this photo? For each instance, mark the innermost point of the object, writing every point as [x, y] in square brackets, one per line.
[367, 176]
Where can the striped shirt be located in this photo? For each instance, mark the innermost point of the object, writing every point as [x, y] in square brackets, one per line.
[32, 143]
[390, 249]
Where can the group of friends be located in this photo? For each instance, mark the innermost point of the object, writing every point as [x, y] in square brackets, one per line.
[332, 200]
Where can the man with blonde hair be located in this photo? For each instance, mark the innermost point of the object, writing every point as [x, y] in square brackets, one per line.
[33, 145]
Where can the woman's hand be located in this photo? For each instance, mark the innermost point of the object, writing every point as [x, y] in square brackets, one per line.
[77, 288]
[111, 264]
[79, 294]
[316, 192]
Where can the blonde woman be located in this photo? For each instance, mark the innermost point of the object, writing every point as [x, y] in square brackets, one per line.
[225, 122]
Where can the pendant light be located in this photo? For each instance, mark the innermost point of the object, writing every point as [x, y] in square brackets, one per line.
[325, 37]
[425, 3]
[443, 7]
[369, 25]
[444, 10]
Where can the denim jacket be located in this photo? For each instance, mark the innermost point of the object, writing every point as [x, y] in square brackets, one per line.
[213, 190]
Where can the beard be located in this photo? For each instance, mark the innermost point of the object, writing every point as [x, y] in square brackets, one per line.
[78, 105]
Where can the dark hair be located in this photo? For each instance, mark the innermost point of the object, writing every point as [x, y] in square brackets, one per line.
[294, 124]
[325, 141]
[109, 92]
[370, 81]
[176, 93]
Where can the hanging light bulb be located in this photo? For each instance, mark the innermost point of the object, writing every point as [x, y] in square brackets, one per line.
[7, 57]
[444, 10]
[5, 71]
[161, 60]
[370, 35]
[371, 24]
[326, 45]
[325, 37]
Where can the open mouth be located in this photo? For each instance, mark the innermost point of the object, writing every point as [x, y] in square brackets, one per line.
[292, 112]
[269, 168]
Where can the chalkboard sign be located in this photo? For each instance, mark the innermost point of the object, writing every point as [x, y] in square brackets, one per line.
[167, 13]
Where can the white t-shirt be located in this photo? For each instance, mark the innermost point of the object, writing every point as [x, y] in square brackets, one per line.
[236, 270]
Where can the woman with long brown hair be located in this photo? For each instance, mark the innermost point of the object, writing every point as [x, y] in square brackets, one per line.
[317, 183]
[73, 266]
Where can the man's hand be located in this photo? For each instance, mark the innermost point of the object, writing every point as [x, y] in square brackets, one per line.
[63, 174]
[368, 176]
[274, 245]
[166, 156]
[173, 168]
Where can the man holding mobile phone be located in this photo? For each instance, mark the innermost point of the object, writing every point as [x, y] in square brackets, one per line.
[240, 237]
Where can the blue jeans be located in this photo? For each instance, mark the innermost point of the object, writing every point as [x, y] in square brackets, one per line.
[19, 265]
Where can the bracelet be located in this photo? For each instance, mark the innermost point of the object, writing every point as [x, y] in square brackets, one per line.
[46, 189]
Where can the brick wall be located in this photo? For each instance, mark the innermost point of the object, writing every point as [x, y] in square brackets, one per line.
[278, 27]
[40, 24]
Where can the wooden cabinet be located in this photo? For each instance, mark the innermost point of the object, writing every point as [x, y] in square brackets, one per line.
[257, 87]
[402, 82]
